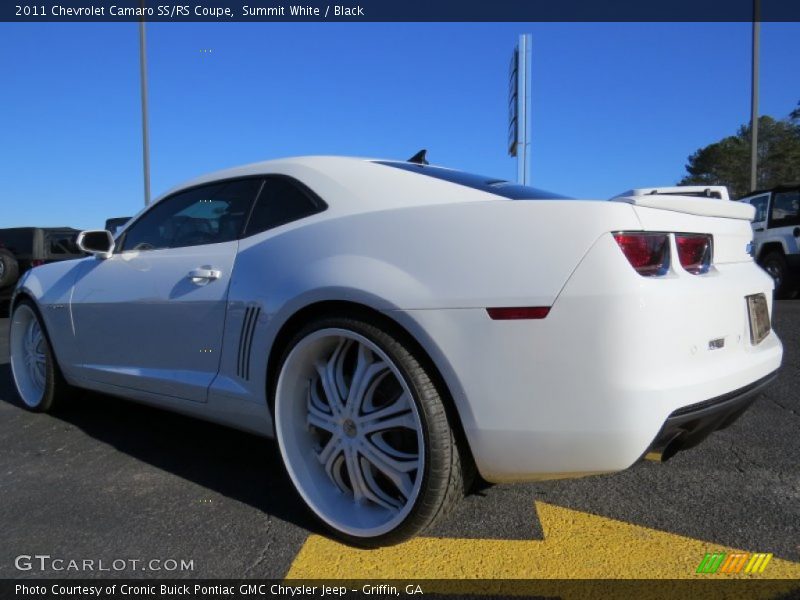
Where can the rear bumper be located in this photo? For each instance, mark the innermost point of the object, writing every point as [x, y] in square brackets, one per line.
[689, 425]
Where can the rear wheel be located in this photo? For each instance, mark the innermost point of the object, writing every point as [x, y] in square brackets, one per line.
[364, 434]
[36, 375]
[775, 265]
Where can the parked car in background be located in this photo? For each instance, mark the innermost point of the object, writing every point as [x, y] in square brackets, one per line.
[24, 247]
[115, 224]
[776, 234]
[396, 325]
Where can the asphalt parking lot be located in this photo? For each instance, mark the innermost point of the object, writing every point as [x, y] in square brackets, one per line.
[105, 479]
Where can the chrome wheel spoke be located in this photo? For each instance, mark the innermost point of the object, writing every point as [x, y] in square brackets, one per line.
[401, 421]
[374, 491]
[354, 474]
[336, 368]
[397, 414]
[368, 374]
[34, 356]
[29, 336]
[319, 415]
[397, 471]
[334, 466]
[321, 422]
[38, 376]
[379, 442]
[331, 450]
[329, 389]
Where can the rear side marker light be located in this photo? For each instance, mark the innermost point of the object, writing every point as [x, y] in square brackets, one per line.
[694, 251]
[518, 312]
[648, 253]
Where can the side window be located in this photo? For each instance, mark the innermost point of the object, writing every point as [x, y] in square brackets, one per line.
[282, 200]
[203, 215]
[760, 202]
[785, 209]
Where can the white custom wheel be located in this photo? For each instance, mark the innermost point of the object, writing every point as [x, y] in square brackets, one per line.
[363, 433]
[32, 364]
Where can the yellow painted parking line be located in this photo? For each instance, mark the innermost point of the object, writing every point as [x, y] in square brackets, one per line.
[576, 545]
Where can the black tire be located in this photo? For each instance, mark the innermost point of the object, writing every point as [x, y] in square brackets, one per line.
[774, 263]
[56, 389]
[447, 471]
[9, 269]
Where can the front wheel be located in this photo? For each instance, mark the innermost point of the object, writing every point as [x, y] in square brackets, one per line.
[364, 433]
[36, 375]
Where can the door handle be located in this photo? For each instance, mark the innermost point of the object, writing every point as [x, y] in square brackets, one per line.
[759, 229]
[204, 275]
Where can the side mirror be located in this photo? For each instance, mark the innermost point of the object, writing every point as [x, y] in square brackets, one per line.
[98, 242]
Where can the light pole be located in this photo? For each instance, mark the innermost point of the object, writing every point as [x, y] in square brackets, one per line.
[754, 99]
[518, 107]
[145, 119]
[523, 96]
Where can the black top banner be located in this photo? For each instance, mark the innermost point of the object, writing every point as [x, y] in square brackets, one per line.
[400, 10]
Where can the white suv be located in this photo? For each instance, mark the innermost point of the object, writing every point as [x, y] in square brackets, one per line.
[776, 234]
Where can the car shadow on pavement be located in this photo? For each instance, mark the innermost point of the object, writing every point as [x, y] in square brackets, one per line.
[235, 464]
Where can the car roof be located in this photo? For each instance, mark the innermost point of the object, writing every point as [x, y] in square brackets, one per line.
[349, 184]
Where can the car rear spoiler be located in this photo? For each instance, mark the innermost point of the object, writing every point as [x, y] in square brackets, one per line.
[704, 207]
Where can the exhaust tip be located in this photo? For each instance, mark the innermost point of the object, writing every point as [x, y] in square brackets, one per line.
[666, 449]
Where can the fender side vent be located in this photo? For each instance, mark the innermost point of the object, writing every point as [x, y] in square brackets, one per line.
[246, 341]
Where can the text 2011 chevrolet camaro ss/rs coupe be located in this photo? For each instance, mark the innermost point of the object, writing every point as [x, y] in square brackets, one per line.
[397, 326]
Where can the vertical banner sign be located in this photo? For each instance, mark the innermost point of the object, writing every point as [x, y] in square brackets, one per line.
[513, 131]
[518, 105]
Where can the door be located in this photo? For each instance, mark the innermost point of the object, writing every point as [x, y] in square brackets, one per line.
[760, 204]
[759, 220]
[151, 316]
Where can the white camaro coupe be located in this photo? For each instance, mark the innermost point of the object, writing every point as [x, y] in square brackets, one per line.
[398, 326]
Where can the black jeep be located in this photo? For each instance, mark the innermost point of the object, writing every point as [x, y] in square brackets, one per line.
[24, 247]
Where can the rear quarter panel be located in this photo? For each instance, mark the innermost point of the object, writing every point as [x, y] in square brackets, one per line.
[472, 255]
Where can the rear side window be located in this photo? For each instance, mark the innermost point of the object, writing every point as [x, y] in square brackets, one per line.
[282, 200]
[493, 185]
[785, 209]
[760, 203]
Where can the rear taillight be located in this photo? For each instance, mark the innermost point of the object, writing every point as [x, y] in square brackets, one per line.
[648, 253]
[36, 262]
[694, 251]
